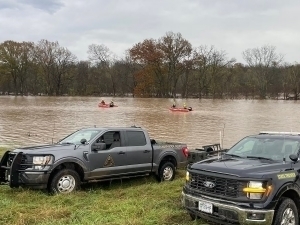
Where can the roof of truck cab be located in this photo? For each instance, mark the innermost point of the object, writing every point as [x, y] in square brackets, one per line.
[112, 128]
[276, 136]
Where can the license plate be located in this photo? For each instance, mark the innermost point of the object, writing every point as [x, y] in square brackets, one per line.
[205, 207]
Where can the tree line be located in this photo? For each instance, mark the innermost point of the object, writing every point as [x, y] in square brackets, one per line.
[166, 67]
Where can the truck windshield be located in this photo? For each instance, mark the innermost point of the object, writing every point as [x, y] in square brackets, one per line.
[265, 148]
[77, 136]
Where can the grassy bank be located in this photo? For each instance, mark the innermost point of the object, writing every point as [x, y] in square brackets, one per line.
[2, 150]
[135, 201]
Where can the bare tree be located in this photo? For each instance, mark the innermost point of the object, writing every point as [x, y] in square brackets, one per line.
[104, 59]
[209, 64]
[202, 57]
[82, 80]
[55, 62]
[260, 60]
[291, 80]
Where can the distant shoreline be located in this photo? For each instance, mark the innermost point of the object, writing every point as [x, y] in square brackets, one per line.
[137, 97]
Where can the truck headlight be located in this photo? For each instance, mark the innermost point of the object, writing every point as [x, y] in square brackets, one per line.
[255, 190]
[40, 162]
[187, 176]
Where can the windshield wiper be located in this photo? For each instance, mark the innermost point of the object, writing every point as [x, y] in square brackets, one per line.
[67, 143]
[233, 155]
[258, 157]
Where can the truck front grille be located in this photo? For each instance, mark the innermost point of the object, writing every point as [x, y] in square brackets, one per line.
[217, 186]
[11, 157]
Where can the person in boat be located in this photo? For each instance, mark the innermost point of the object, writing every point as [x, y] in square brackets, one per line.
[103, 102]
[184, 105]
[174, 104]
[111, 104]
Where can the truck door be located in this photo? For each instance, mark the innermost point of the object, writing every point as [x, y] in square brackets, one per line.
[139, 152]
[112, 159]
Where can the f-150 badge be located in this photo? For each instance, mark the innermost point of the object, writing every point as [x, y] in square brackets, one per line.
[109, 162]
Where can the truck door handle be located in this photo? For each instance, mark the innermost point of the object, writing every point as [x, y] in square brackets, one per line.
[121, 153]
[146, 151]
[85, 155]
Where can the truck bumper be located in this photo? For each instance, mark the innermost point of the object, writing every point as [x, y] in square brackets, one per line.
[35, 180]
[15, 175]
[225, 213]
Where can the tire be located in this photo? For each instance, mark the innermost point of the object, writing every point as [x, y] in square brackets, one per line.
[166, 172]
[64, 181]
[287, 211]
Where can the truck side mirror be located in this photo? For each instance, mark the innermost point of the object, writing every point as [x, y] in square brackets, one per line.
[83, 141]
[294, 157]
[98, 146]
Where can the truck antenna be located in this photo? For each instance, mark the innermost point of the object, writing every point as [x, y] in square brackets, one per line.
[223, 136]
[220, 144]
[283, 160]
[53, 132]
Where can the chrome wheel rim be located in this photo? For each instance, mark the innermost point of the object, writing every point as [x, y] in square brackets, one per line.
[288, 217]
[168, 173]
[66, 184]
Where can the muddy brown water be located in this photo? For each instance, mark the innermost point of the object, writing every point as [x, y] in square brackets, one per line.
[26, 121]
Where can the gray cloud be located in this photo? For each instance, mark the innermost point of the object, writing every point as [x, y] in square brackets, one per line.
[232, 25]
[49, 6]
[45, 5]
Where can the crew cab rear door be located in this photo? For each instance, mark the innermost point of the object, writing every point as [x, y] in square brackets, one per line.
[109, 161]
[139, 151]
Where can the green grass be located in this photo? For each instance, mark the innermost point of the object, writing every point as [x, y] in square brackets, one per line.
[2, 150]
[135, 201]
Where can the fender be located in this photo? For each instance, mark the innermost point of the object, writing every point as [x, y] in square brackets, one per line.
[70, 160]
[164, 154]
[284, 188]
[167, 153]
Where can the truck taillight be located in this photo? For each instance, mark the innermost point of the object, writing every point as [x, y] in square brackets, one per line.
[185, 151]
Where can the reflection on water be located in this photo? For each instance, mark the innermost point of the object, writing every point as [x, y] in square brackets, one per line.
[35, 120]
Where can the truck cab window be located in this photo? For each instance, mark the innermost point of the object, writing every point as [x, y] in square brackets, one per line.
[136, 138]
[112, 139]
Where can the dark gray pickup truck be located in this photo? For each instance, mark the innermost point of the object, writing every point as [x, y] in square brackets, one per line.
[91, 154]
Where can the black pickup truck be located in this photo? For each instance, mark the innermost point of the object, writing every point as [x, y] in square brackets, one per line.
[91, 154]
[255, 182]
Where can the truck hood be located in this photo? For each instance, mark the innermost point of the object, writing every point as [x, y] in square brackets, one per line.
[45, 148]
[242, 167]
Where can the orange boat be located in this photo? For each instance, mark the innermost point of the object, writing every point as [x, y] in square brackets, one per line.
[106, 105]
[181, 109]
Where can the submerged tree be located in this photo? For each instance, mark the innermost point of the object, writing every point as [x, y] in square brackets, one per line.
[147, 55]
[260, 61]
[16, 58]
[103, 59]
[176, 54]
[56, 63]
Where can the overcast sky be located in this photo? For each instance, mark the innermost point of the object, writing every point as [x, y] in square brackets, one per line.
[230, 25]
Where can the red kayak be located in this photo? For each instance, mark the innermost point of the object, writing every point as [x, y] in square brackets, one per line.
[106, 105]
[180, 109]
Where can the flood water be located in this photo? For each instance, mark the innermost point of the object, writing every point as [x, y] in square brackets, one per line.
[26, 121]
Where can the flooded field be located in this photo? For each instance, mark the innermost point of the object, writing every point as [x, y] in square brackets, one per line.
[35, 120]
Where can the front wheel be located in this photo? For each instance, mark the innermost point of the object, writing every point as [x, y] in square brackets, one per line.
[65, 181]
[287, 213]
[166, 172]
